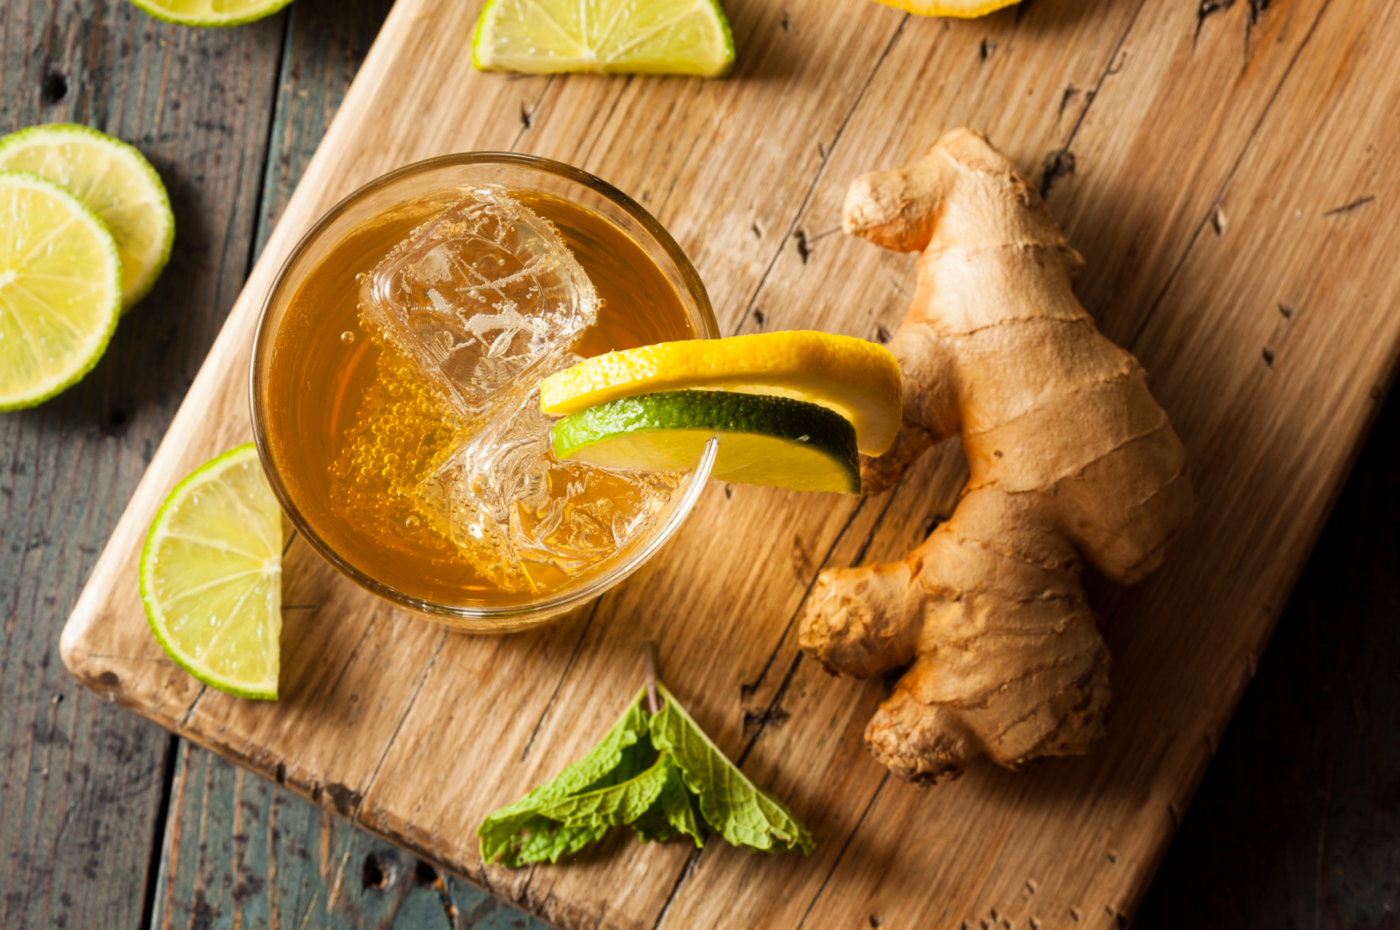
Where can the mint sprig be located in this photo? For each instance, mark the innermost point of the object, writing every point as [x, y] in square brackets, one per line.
[652, 771]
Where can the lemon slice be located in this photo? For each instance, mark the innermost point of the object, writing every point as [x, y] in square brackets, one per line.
[60, 289]
[857, 379]
[965, 9]
[211, 575]
[210, 12]
[115, 181]
[762, 440]
[604, 37]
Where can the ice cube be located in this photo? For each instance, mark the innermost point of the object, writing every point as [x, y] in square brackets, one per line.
[480, 297]
[513, 508]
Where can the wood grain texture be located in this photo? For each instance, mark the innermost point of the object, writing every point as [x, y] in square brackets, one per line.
[418, 741]
[81, 782]
[1297, 822]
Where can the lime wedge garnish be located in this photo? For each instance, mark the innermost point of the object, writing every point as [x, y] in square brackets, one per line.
[115, 181]
[762, 440]
[211, 575]
[961, 8]
[210, 12]
[857, 379]
[604, 37]
[60, 289]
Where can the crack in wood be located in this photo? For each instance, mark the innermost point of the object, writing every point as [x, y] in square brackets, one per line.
[747, 690]
[1070, 93]
[804, 248]
[1348, 207]
[563, 676]
[1132, 342]
[1207, 9]
[687, 870]
[531, 111]
[1057, 163]
[393, 737]
[821, 171]
[874, 796]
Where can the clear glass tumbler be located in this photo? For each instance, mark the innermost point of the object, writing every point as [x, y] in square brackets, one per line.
[416, 192]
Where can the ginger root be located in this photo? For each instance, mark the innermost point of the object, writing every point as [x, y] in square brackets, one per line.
[1071, 460]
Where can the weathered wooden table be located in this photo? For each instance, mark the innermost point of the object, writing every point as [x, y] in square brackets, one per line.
[106, 821]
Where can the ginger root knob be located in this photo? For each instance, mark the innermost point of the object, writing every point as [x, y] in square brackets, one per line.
[1071, 458]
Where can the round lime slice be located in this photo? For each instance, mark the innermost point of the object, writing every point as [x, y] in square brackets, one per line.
[210, 12]
[211, 575]
[604, 37]
[762, 440]
[115, 181]
[60, 289]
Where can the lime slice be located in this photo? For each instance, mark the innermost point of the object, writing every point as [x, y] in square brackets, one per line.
[762, 440]
[604, 37]
[115, 181]
[60, 289]
[857, 379]
[964, 9]
[211, 575]
[210, 12]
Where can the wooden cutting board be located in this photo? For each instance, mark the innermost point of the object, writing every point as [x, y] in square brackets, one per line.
[1229, 171]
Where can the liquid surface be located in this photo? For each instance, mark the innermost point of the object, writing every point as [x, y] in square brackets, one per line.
[354, 427]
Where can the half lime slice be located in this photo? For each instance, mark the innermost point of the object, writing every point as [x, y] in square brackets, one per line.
[765, 440]
[604, 37]
[115, 181]
[210, 12]
[60, 289]
[211, 575]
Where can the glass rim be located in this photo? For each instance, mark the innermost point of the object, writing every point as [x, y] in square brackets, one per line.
[548, 606]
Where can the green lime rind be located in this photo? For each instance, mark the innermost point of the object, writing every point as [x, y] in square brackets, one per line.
[259, 11]
[43, 139]
[488, 12]
[106, 313]
[763, 439]
[542, 45]
[155, 615]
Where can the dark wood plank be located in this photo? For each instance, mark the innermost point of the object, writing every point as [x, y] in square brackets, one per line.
[244, 852]
[237, 847]
[80, 781]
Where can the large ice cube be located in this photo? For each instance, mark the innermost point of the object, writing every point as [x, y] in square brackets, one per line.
[480, 297]
[484, 301]
[512, 507]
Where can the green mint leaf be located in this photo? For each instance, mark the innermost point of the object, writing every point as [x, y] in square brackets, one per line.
[517, 834]
[540, 838]
[740, 811]
[672, 814]
[615, 804]
[653, 827]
